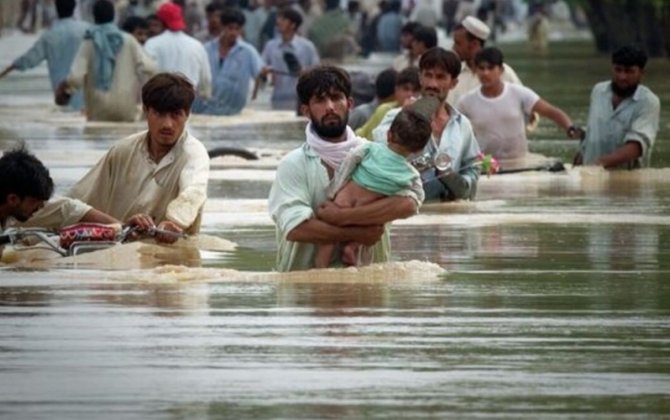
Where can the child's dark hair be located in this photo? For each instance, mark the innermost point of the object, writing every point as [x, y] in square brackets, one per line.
[322, 80]
[629, 56]
[411, 130]
[409, 75]
[168, 92]
[491, 55]
[24, 175]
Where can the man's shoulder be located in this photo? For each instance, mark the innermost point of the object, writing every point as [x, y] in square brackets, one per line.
[194, 146]
[648, 95]
[295, 157]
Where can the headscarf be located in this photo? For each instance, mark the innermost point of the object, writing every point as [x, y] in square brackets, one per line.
[107, 40]
[332, 153]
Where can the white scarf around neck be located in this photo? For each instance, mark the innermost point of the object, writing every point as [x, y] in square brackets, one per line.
[331, 153]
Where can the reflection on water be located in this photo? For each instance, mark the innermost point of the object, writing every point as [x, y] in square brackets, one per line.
[554, 304]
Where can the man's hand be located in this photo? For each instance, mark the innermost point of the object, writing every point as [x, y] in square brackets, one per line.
[330, 213]
[368, 235]
[141, 221]
[62, 94]
[170, 227]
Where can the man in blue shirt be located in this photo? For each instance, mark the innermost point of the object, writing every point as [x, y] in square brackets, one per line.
[234, 64]
[58, 46]
[623, 116]
[285, 77]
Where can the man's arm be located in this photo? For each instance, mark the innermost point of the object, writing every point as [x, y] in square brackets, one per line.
[378, 212]
[205, 83]
[631, 150]
[555, 114]
[96, 216]
[316, 231]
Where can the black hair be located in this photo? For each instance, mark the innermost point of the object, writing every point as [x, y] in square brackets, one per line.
[629, 56]
[65, 8]
[491, 55]
[103, 11]
[332, 4]
[428, 36]
[409, 75]
[24, 175]
[134, 22]
[411, 130]
[409, 27]
[322, 80]
[232, 15]
[385, 83]
[213, 7]
[168, 92]
[439, 57]
[292, 15]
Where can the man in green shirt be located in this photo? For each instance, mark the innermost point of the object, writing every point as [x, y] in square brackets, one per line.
[298, 203]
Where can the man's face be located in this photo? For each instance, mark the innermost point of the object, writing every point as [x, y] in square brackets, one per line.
[329, 114]
[23, 208]
[165, 128]
[488, 74]
[155, 27]
[463, 45]
[141, 35]
[230, 33]
[284, 25]
[214, 25]
[625, 79]
[418, 48]
[436, 82]
[406, 39]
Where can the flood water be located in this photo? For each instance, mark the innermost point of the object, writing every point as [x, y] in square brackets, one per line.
[547, 297]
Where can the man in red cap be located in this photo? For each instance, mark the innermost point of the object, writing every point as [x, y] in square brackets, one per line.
[175, 51]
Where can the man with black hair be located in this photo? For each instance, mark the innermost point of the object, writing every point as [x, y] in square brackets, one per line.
[406, 57]
[26, 185]
[111, 66]
[623, 116]
[384, 92]
[58, 45]
[137, 27]
[453, 140]
[298, 192]
[425, 38]
[158, 176]
[302, 52]
[469, 38]
[214, 27]
[234, 63]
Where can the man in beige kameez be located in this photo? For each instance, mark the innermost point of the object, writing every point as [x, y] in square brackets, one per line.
[112, 66]
[158, 176]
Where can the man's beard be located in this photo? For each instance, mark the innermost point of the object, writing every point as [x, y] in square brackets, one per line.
[623, 92]
[329, 131]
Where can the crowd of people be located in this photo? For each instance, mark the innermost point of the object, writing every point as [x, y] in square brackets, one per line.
[426, 129]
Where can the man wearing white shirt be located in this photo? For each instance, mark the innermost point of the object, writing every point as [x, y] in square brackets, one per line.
[175, 51]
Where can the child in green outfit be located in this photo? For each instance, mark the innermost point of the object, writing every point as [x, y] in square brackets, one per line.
[375, 170]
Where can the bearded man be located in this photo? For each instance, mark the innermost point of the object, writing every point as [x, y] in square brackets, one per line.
[298, 202]
[623, 116]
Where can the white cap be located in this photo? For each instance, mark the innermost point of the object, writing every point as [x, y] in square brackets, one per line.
[476, 27]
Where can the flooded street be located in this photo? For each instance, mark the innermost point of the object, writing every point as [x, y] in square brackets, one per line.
[547, 297]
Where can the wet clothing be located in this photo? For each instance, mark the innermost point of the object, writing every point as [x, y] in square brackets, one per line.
[459, 143]
[500, 123]
[468, 80]
[59, 46]
[58, 212]
[284, 95]
[174, 51]
[635, 119]
[126, 181]
[299, 188]
[231, 77]
[107, 41]
[377, 168]
[131, 69]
